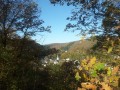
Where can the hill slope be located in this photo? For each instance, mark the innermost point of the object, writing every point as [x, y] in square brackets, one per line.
[75, 45]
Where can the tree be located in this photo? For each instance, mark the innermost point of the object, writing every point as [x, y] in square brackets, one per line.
[20, 17]
[111, 22]
[88, 15]
[110, 38]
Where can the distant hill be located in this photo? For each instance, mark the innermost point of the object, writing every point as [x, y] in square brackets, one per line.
[57, 45]
[75, 45]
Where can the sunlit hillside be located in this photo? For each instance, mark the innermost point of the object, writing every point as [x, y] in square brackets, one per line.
[74, 46]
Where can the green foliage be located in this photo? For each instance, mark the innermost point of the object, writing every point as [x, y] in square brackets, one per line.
[99, 66]
[77, 77]
[93, 73]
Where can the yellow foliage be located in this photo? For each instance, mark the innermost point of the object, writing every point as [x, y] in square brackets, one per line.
[109, 75]
[92, 62]
[110, 49]
[88, 85]
[105, 86]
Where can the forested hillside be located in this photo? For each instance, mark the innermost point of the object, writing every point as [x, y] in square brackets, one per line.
[74, 46]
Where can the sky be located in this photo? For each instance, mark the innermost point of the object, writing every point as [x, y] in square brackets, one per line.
[55, 16]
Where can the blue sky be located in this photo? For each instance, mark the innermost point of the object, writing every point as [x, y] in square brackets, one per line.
[55, 16]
